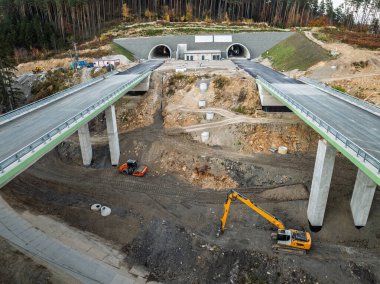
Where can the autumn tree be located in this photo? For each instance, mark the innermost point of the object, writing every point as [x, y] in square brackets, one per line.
[166, 14]
[226, 19]
[189, 13]
[148, 14]
[125, 11]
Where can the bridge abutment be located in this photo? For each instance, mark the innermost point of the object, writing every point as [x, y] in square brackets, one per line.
[267, 100]
[143, 86]
[324, 166]
[361, 199]
[85, 144]
[113, 136]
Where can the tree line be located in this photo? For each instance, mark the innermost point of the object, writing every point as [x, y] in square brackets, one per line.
[50, 24]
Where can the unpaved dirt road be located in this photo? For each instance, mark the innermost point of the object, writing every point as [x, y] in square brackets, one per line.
[358, 67]
[169, 226]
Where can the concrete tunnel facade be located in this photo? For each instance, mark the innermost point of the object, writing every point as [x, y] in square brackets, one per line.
[239, 45]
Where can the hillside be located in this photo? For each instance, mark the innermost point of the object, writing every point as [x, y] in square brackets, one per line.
[296, 52]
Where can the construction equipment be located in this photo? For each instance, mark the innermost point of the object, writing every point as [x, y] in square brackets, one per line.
[132, 168]
[288, 240]
[38, 69]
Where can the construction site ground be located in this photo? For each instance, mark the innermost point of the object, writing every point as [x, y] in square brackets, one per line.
[355, 69]
[166, 222]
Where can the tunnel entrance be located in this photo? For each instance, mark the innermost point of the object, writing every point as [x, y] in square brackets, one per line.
[160, 51]
[238, 50]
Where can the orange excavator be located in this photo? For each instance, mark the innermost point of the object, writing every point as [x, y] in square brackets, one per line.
[132, 168]
[288, 240]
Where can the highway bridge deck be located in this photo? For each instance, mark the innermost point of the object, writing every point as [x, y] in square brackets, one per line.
[358, 125]
[21, 131]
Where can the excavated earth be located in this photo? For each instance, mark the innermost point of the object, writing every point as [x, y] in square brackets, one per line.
[168, 220]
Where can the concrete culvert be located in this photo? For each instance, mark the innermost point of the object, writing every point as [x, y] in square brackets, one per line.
[160, 51]
[238, 50]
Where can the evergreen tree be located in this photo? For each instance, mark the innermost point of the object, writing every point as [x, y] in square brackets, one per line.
[338, 15]
[7, 74]
[322, 8]
[330, 10]
[7, 91]
[375, 27]
[314, 8]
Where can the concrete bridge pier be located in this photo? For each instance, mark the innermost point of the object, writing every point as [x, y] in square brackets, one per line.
[113, 136]
[324, 166]
[361, 199]
[85, 144]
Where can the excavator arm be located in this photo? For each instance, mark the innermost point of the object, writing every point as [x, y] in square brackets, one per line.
[232, 195]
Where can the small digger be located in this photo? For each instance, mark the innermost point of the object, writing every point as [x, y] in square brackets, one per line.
[132, 168]
[288, 240]
[38, 69]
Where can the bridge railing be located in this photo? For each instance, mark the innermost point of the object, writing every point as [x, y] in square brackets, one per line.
[341, 95]
[360, 152]
[45, 101]
[65, 125]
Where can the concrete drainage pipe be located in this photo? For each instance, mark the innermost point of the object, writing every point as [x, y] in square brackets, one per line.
[95, 207]
[105, 211]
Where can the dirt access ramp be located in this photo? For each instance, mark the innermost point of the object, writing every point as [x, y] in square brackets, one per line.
[354, 70]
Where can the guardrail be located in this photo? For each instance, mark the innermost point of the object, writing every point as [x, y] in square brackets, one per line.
[65, 125]
[45, 101]
[328, 128]
[341, 95]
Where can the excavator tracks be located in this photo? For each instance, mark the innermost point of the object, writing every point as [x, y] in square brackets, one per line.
[279, 248]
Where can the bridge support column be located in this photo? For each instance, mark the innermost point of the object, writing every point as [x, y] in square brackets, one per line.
[361, 199]
[85, 144]
[324, 166]
[113, 137]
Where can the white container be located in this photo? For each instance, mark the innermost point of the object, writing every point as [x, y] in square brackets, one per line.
[209, 116]
[202, 104]
[205, 136]
[105, 211]
[203, 87]
[180, 70]
[282, 150]
[96, 207]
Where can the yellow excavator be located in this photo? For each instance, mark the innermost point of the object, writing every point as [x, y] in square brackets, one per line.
[38, 69]
[288, 240]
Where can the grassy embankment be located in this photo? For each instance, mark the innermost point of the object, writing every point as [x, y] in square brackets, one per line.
[117, 49]
[296, 52]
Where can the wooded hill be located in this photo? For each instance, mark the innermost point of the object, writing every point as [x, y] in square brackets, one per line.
[50, 24]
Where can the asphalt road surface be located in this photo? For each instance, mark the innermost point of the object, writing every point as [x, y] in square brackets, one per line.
[360, 126]
[20, 132]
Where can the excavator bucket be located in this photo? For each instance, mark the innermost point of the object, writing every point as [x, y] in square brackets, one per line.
[140, 171]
